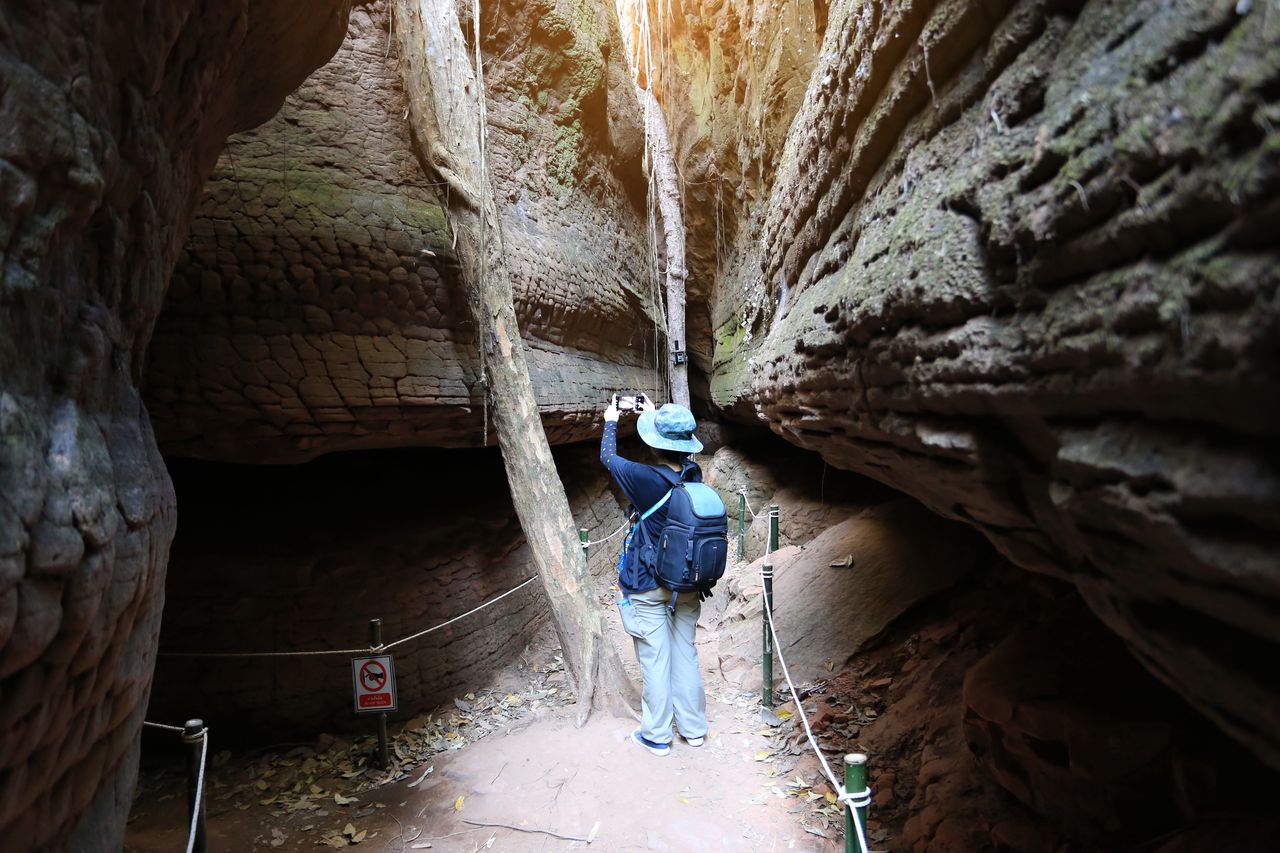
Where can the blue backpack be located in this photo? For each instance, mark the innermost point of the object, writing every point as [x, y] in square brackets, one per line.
[693, 546]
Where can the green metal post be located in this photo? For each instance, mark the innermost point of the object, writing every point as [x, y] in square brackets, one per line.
[855, 780]
[582, 537]
[742, 524]
[767, 658]
[773, 528]
[375, 642]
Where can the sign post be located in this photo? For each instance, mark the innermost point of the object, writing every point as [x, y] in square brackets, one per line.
[374, 680]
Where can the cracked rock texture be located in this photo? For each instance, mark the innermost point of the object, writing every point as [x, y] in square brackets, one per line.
[317, 307]
[1018, 260]
[111, 115]
[313, 552]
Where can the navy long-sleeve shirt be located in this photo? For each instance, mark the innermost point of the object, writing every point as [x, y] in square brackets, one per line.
[644, 486]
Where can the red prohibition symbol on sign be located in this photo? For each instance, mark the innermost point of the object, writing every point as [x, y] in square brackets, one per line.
[374, 681]
[372, 676]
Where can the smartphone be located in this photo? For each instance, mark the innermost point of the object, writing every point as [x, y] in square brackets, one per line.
[628, 402]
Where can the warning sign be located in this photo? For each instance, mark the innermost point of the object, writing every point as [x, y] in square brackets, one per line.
[375, 684]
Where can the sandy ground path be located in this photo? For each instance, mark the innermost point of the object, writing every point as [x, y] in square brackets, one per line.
[553, 776]
[537, 773]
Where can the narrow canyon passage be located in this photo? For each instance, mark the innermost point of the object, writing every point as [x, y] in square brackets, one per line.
[982, 295]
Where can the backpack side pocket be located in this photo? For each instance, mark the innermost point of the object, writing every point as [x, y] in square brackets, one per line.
[674, 553]
[710, 556]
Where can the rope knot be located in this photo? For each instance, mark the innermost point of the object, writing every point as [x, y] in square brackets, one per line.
[856, 800]
[195, 737]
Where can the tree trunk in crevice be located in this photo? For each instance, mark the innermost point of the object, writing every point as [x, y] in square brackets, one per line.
[662, 162]
[445, 110]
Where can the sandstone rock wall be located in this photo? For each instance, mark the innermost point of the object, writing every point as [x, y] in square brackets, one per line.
[272, 558]
[316, 306]
[111, 116]
[1018, 261]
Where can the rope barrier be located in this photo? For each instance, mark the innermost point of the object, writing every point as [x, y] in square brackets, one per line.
[747, 500]
[853, 801]
[456, 618]
[624, 526]
[860, 800]
[178, 729]
[359, 651]
[264, 654]
[612, 553]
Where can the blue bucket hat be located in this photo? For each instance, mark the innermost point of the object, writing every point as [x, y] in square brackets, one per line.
[669, 428]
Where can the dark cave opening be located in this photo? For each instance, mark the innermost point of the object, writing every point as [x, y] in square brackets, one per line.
[300, 557]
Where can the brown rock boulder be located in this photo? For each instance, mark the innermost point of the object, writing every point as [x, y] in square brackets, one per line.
[810, 497]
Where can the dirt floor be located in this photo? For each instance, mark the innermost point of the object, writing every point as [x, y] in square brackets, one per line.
[507, 753]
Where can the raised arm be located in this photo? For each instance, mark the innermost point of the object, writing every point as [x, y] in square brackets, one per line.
[609, 441]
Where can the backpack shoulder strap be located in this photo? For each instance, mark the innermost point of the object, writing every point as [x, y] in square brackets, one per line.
[651, 510]
[671, 477]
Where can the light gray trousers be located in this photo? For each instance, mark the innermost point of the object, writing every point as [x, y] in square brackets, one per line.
[669, 662]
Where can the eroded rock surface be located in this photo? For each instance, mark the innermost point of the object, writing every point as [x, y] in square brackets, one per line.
[1018, 261]
[316, 306]
[111, 116]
